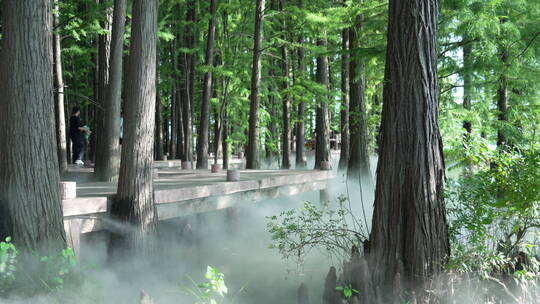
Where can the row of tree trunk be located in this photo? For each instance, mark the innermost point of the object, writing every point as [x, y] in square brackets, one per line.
[409, 237]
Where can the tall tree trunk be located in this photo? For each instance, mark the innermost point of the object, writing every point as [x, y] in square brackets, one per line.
[61, 138]
[202, 140]
[30, 207]
[134, 202]
[166, 135]
[270, 140]
[300, 125]
[502, 104]
[174, 105]
[108, 164]
[97, 146]
[252, 153]
[285, 140]
[409, 237]
[180, 125]
[189, 64]
[218, 128]
[322, 126]
[224, 141]
[158, 140]
[344, 123]
[467, 84]
[359, 156]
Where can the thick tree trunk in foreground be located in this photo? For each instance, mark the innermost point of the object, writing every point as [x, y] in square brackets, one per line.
[344, 124]
[409, 238]
[30, 208]
[61, 138]
[108, 164]
[322, 125]
[285, 139]
[134, 202]
[358, 156]
[252, 153]
[202, 141]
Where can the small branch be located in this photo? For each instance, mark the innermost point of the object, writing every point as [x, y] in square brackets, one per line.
[82, 96]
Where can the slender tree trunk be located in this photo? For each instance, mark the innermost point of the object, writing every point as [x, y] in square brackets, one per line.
[467, 84]
[202, 141]
[134, 202]
[359, 156]
[502, 104]
[189, 66]
[285, 140]
[166, 135]
[252, 153]
[300, 113]
[180, 125]
[174, 105]
[158, 140]
[409, 239]
[300, 133]
[30, 207]
[344, 125]
[174, 127]
[98, 147]
[224, 141]
[322, 126]
[108, 164]
[61, 138]
[270, 140]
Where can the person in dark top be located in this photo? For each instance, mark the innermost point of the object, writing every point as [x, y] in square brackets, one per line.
[76, 134]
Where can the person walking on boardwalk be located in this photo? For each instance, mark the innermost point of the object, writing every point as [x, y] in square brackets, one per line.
[76, 134]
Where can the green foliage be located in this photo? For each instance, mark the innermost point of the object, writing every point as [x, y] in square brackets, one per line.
[26, 275]
[208, 291]
[348, 291]
[56, 269]
[8, 264]
[494, 209]
[334, 231]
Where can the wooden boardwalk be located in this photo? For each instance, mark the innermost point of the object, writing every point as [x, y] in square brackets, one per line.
[183, 192]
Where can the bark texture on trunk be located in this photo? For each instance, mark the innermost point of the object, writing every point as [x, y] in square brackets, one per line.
[189, 64]
[344, 113]
[358, 157]
[134, 202]
[61, 139]
[300, 124]
[409, 238]
[108, 164]
[97, 146]
[252, 153]
[30, 207]
[285, 140]
[202, 140]
[158, 140]
[322, 125]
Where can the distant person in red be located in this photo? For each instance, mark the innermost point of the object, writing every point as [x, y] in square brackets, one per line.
[76, 134]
